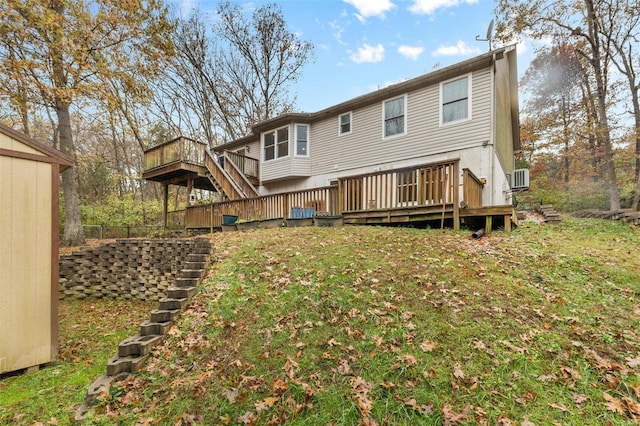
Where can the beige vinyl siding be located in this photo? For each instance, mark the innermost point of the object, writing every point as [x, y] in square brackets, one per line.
[25, 242]
[365, 145]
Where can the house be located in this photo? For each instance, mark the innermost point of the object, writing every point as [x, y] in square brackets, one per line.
[441, 145]
[29, 245]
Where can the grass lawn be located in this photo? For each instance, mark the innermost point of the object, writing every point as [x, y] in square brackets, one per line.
[373, 326]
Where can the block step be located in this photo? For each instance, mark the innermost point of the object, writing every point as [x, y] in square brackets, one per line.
[168, 303]
[181, 292]
[192, 273]
[138, 345]
[148, 328]
[164, 315]
[186, 282]
[127, 364]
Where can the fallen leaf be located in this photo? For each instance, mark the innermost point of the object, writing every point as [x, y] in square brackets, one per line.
[457, 372]
[613, 404]
[633, 362]
[231, 394]
[428, 346]
[266, 403]
[559, 406]
[579, 399]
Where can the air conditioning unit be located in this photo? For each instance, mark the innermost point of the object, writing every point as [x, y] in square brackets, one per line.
[520, 179]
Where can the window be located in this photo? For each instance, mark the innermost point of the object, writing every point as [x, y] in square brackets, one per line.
[455, 100]
[344, 124]
[302, 140]
[276, 144]
[407, 187]
[394, 117]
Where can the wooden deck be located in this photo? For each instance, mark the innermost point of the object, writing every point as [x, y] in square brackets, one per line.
[438, 194]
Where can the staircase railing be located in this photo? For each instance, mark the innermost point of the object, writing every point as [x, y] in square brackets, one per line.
[226, 185]
[238, 177]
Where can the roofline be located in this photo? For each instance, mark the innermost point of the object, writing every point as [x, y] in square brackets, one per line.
[473, 64]
[65, 161]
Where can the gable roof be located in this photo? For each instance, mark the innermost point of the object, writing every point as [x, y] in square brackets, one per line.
[65, 161]
[476, 63]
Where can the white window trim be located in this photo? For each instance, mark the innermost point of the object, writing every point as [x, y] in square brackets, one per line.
[404, 97]
[469, 100]
[295, 140]
[275, 158]
[350, 114]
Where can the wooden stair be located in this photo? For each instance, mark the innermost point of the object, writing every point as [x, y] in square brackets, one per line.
[550, 215]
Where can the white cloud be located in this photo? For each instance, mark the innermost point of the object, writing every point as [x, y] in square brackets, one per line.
[459, 49]
[427, 7]
[367, 8]
[368, 53]
[337, 32]
[411, 52]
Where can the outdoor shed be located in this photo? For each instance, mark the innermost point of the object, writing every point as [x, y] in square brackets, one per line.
[29, 180]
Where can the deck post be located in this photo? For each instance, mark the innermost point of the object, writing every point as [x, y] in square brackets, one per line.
[507, 223]
[165, 206]
[340, 198]
[456, 197]
[488, 223]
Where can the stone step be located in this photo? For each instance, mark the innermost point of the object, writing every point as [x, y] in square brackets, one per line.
[194, 257]
[138, 345]
[186, 282]
[168, 303]
[127, 364]
[149, 328]
[165, 315]
[194, 265]
[192, 273]
[181, 292]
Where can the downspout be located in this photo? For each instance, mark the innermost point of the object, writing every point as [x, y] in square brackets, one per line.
[493, 130]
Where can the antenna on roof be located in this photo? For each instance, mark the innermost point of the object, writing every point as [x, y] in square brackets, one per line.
[489, 36]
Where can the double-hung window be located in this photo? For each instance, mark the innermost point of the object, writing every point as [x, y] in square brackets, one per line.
[302, 140]
[276, 143]
[344, 123]
[455, 100]
[395, 118]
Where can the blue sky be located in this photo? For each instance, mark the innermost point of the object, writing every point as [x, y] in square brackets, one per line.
[363, 45]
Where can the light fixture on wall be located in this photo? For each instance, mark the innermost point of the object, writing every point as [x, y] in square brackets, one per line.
[247, 148]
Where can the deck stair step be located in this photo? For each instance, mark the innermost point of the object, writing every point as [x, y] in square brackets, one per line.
[138, 345]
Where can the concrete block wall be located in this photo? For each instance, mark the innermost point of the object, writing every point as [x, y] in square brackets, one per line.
[128, 269]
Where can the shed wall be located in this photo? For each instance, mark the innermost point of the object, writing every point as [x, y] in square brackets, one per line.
[26, 263]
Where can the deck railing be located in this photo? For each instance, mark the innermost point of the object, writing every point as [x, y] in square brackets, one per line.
[426, 185]
[422, 188]
[177, 150]
[472, 189]
[283, 205]
[247, 165]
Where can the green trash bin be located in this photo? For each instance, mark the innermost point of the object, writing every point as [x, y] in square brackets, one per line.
[229, 219]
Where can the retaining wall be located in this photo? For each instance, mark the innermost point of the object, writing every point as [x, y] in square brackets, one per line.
[127, 269]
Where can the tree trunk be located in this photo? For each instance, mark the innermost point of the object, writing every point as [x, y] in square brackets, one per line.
[73, 234]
